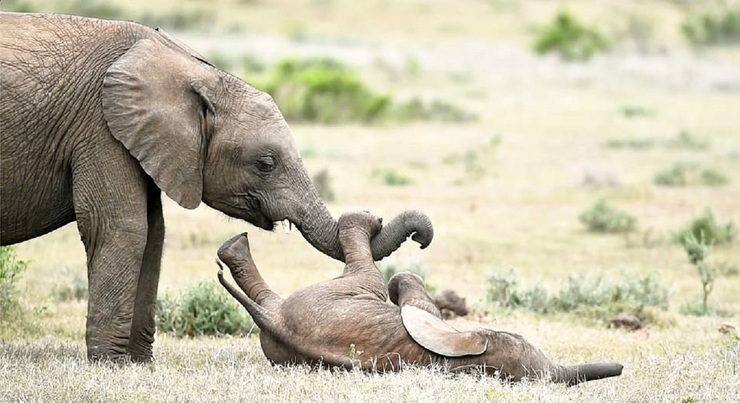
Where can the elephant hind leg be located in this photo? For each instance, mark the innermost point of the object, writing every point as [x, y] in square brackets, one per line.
[236, 255]
[407, 288]
[143, 324]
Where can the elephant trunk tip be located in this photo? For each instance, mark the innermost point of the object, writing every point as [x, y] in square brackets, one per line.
[573, 375]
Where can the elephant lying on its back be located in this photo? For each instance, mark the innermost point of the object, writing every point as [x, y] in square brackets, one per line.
[345, 322]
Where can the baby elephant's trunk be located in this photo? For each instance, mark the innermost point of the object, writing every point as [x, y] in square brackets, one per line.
[575, 374]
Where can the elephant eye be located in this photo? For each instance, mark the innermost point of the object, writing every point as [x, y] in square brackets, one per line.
[266, 164]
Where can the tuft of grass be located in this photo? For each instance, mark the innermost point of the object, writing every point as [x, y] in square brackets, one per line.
[570, 38]
[602, 217]
[202, 310]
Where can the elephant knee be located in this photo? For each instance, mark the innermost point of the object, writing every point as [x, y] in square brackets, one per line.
[402, 284]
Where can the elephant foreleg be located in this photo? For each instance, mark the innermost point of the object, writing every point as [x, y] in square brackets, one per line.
[235, 253]
[111, 212]
[407, 288]
[143, 324]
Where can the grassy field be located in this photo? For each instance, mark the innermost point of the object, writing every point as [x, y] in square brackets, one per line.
[504, 192]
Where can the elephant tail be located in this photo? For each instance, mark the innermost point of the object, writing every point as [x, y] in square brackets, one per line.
[270, 322]
[575, 374]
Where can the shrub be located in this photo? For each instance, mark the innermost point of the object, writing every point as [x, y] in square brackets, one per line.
[203, 309]
[686, 174]
[601, 217]
[632, 111]
[706, 229]
[323, 90]
[11, 269]
[720, 27]
[697, 250]
[391, 177]
[687, 141]
[570, 38]
[590, 297]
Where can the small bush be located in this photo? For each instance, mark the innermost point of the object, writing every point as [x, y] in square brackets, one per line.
[202, 310]
[324, 91]
[685, 174]
[590, 297]
[601, 217]
[11, 269]
[633, 111]
[707, 229]
[570, 38]
[686, 141]
[721, 27]
[391, 177]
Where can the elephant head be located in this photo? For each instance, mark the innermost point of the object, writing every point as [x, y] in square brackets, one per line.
[345, 322]
[204, 135]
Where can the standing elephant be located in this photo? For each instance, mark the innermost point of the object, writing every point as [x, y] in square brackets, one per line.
[346, 322]
[97, 118]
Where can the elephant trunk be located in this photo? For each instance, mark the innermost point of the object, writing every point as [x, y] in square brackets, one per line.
[575, 374]
[321, 230]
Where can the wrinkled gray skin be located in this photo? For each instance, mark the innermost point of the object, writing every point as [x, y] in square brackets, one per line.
[346, 322]
[98, 118]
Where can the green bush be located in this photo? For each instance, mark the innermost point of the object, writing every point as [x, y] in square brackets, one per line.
[632, 143]
[601, 217]
[323, 90]
[591, 296]
[707, 229]
[204, 309]
[686, 174]
[569, 38]
[11, 269]
[719, 27]
[391, 177]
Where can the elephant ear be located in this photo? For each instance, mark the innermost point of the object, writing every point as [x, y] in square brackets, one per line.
[155, 102]
[437, 336]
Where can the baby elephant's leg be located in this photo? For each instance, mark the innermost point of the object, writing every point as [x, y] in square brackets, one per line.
[407, 288]
[235, 253]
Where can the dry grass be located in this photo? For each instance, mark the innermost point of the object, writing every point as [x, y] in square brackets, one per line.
[553, 120]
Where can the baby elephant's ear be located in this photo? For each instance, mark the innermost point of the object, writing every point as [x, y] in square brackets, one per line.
[439, 337]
